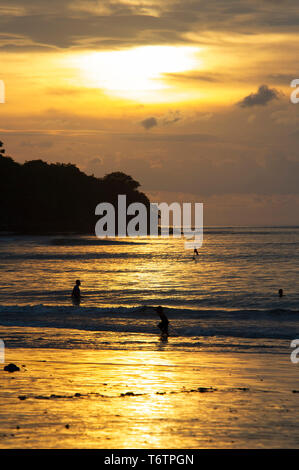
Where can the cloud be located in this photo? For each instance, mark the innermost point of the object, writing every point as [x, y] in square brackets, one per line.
[262, 97]
[206, 177]
[168, 119]
[194, 77]
[282, 78]
[94, 166]
[63, 91]
[204, 116]
[42, 144]
[171, 118]
[119, 23]
[149, 123]
[185, 138]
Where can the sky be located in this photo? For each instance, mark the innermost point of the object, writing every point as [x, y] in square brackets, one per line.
[191, 98]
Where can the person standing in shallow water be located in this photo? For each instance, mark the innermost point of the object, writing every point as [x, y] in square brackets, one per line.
[76, 294]
[163, 325]
[280, 293]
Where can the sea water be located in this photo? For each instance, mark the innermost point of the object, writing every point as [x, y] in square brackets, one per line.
[226, 299]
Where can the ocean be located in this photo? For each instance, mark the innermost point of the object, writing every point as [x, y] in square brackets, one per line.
[224, 300]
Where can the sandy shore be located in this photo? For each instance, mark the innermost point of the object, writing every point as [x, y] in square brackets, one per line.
[148, 399]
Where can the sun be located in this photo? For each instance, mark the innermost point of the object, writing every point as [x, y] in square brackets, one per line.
[138, 73]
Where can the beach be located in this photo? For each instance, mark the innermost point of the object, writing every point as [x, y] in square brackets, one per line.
[99, 375]
[149, 230]
[148, 400]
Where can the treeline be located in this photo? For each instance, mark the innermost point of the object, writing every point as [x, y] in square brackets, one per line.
[38, 197]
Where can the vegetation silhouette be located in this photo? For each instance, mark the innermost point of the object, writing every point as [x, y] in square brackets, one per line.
[40, 197]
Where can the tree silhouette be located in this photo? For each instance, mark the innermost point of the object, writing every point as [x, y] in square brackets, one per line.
[38, 197]
[2, 150]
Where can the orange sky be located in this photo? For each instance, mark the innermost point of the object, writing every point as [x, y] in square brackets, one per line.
[190, 98]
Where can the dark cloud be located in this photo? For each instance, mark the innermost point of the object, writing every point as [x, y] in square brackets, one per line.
[149, 123]
[170, 118]
[262, 97]
[94, 24]
[64, 28]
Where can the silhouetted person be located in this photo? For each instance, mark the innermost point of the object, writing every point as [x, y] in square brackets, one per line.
[196, 252]
[280, 293]
[163, 325]
[76, 294]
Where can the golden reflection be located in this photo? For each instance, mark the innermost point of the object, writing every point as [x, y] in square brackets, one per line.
[143, 399]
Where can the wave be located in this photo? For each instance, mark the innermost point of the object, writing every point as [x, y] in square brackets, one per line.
[91, 242]
[184, 323]
[179, 258]
[71, 256]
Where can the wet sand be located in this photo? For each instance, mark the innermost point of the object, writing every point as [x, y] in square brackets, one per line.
[148, 399]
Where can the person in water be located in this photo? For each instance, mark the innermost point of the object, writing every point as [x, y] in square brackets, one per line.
[280, 293]
[76, 294]
[196, 252]
[163, 325]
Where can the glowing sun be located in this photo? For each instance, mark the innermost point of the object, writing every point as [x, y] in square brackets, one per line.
[138, 74]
